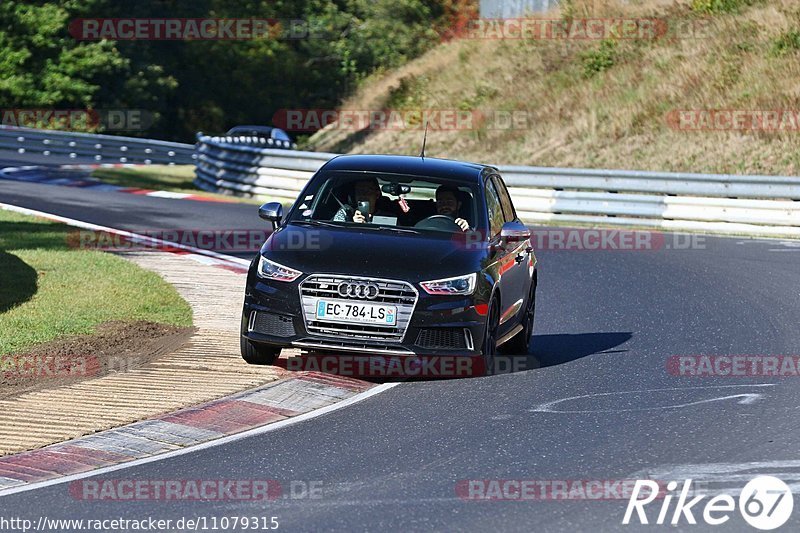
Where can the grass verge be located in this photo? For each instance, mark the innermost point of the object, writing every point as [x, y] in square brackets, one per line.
[49, 290]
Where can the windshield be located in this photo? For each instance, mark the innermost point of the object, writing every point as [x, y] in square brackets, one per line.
[390, 200]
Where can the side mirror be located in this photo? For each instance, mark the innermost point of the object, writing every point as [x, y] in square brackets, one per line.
[272, 211]
[514, 231]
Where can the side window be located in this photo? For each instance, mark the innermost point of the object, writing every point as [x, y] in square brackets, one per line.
[505, 199]
[495, 210]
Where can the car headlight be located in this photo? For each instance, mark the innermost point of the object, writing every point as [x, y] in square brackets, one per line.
[271, 270]
[459, 285]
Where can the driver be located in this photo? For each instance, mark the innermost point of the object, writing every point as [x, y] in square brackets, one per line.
[448, 204]
[366, 190]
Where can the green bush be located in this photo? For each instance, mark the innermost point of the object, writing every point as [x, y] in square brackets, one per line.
[720, 6]
[601, 59]
[787, 42]
[409, 94]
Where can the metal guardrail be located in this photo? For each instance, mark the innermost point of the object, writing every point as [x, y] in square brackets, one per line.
[265, 168]
[754, 205]
[670, 183]
[95, 148]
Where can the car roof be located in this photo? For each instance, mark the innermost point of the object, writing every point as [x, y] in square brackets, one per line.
[264, 129]
[256, 129]
[411, 165]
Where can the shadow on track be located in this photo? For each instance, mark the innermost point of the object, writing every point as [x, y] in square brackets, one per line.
[549, 350]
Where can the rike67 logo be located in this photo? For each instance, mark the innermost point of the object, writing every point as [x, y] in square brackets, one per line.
[765, 503]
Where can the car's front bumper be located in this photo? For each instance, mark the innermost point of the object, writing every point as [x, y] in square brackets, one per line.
[438, 326]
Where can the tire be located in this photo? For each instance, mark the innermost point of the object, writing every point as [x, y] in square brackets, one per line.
[518, 344]
[490, 338]
[257, 354]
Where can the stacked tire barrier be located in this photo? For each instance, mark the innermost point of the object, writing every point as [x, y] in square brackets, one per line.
[87, 147]
[731, 204]
[253, 167]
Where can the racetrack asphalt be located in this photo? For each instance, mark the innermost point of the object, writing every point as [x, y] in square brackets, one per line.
[606, 324]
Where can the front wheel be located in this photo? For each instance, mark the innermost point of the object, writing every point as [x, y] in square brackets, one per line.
[490, 338]
[257, 354]
[518, 344]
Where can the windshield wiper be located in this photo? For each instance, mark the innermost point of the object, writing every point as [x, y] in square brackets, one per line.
[392, 228]
[356, 226]
[318, 223]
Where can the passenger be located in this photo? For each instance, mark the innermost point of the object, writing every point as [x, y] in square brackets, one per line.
[366, 190]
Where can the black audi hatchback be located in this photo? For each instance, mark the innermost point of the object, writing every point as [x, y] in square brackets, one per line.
[393, 255]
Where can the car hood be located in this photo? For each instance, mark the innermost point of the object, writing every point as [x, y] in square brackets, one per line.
[371, 252]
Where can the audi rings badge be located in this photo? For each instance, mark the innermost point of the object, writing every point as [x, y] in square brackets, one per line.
[358, 289]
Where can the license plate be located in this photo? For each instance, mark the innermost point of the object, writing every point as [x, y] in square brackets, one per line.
[343, 311]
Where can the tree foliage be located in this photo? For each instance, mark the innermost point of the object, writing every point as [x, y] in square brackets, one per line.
[210, 85]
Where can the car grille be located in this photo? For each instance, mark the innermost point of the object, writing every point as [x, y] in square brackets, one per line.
[401, 294]
[443, 339]
[271, 324]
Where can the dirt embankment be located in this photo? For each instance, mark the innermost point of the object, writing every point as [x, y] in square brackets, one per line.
[716, 91]
[114, 347]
